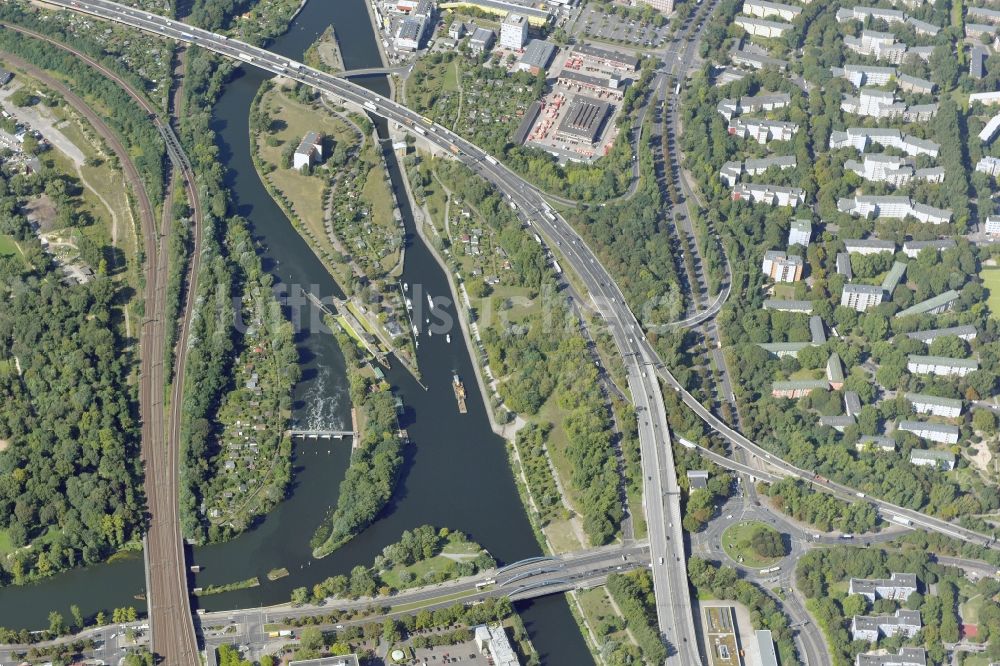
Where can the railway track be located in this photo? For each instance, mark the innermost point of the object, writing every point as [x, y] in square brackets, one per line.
[168, 600]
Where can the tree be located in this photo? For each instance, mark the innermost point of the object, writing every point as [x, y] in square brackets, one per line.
[768, 543]
[77, 617]
[300, 595]
[984, 421]
[57, 626]
[311, 639]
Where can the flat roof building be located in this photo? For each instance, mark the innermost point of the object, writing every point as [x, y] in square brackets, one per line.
[931, 457]
[514, 31]
[798, 387]
[481, 40]
[876, 443]
[537, 56]
[782, 349]
[868, 246]
[852, 403]
[966, 332]
[908, 656]
[584, 119]
[817, 330]
[913, 248]
[697, 478]
[844, 265]
[898, 587]
[765, 647]
[933, 405]
[941, 365]
[788, 305]
[342, 660]
[870, 628]
[893, 278]
[800, 232]
[492, 641]
[861, 297]
[935, 305]
[607, 56]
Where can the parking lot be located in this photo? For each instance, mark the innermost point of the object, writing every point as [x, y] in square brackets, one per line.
[595, 24]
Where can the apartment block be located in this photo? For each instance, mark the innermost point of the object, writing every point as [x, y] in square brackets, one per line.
[871, 628]
[966, 333]
[864, 13]
[763, 9]
[989, 165]
[898, 587]
[860, 138]
[943, 366]
[868, 246]
[913, 248]
[861, 297]
[908, 656]
[800, 232]
[893, 207]
[931, 404]
[865, 75]
[775, 195]
[762, 131]
[992, 225]
[930, 457]
[762, 27]
[934, 305]
[780, 267]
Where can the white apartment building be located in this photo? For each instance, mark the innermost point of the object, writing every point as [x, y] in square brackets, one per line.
[870, 628]
[931, 404]
[775, 195]
[983, 14]
[908, 656]
[731, 172]
[780, 267]
[762, 131]
[987, 98]
[861, 297]
[868, 246]
[860, 138]
[990, 166]
[762, 27]
[764, 9]
[662, 6]
[989, 132]
[965, 332]
[897, 587]
[913, 248]
[892, 207]
[896, 171]
[747, 104]
[992, 225]
[514, 32]
[864, 13]
[879, 45]
[865, 75]
[942, 433]
[915, 84]
[800, 232]
[931, 457]
[942, 366]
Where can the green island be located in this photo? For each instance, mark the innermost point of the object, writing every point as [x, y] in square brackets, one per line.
[375, 459]
[422, 556]
[753, 544]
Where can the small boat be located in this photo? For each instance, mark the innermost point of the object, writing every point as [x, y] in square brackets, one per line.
[430, 302]
[406, 286]
[459, 388]
[409, 304]
[427, 321]
[416, 331]
[447, 337]
[430, 333]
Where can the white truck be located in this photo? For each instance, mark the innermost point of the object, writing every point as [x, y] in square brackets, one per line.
[246, 58]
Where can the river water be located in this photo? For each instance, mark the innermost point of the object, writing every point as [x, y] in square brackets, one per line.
[456, 473]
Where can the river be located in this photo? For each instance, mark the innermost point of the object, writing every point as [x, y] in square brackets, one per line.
[456, 472]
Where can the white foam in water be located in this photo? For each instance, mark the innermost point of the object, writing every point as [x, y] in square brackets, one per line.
[321, 409]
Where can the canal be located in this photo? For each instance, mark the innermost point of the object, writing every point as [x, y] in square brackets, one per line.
[456, 472]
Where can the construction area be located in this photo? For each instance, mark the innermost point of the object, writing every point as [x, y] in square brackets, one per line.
[575, 120]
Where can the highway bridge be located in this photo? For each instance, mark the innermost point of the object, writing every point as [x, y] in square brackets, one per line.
[642, 363]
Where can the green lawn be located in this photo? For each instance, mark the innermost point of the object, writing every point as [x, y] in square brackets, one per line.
[736, 543]
[805, 373]
[970, 609]
[991, 280]
[8, 246]
[562, 537]
[5, 544]
[441, 566]
[597, 610]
